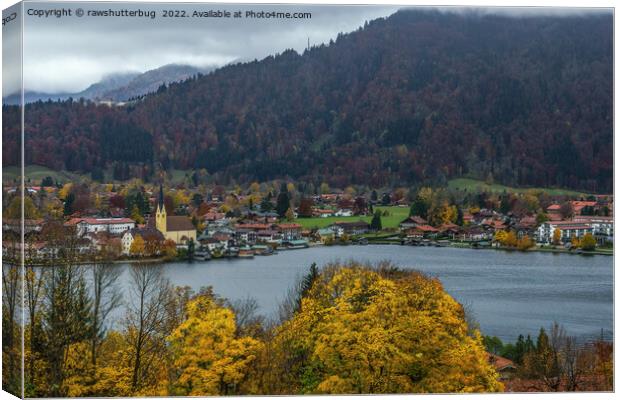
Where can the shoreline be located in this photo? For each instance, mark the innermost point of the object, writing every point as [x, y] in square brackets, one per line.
[153, 260]
[466, 245]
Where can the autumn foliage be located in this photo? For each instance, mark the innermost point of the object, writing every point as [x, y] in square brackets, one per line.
[351, 329]
[367, 331]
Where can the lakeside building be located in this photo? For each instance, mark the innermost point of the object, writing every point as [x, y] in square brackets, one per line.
[113, 226]
[567, 229]
[350, 228]
[177, 228]
[15, 225]
[150, 235]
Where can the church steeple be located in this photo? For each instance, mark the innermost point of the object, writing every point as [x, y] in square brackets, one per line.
[160, 214]
[160, 199]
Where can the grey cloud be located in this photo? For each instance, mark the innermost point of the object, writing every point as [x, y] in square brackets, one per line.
[69, 53]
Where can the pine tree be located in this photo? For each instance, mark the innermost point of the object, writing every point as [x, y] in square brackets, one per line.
[68, 210]
[375, 224]
[284, 202]
[459, 216]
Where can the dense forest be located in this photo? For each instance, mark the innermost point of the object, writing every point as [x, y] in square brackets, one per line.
[419, 97]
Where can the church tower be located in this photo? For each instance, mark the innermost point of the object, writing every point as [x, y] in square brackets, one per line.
[160, 215]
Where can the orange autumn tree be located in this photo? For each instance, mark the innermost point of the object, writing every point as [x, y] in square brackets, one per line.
[383, 330]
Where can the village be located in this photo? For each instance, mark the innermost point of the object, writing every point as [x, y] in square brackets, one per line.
[134, 222]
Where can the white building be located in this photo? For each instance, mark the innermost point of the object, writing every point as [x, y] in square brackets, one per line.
[602, 226]
[113, 226]
[568, 230]
[344, 213]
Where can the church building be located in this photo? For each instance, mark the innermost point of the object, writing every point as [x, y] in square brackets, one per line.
[177, 228]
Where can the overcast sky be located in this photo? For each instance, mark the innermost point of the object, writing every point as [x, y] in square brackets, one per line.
[68, 54]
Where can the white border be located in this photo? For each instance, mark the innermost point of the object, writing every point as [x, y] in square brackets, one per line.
[475, 3]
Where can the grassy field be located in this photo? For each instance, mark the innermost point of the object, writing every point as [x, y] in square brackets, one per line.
[394, 217]
[36, 173]
[474, 185]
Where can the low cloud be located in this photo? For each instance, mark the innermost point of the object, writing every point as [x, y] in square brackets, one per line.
[68, 54]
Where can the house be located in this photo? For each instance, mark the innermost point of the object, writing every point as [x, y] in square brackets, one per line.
[325, 235]
[504, 367]
[30, 225]
[350, 228]
[225, 238]
[211, 217]
[179, 228]
[152, 237]
[212, 244]
[268, 236]
[246, 235]
[255, 227]
[113, 226]
[38, 249]
[525, 226]
[474, 234]
[322, 213]
[554, 212]
[344, 213]
[449, 229]
[290, 231]
[467, 218]
[422, 231]
[412, 222]
[578, 206]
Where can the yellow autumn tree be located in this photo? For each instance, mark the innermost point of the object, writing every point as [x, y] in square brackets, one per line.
[525, 243]
[64, 191]
[290, 215]
[115, 366]
[500, 237]
[588, 242]
[170, 249]
[361, 330]
[442, 214]
[511, 239]
[79, 371]
[137, 247]
[208, 356]
[557, 236]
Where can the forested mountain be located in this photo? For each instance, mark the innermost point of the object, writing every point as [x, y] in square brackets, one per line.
[420, 96]
[150, 81]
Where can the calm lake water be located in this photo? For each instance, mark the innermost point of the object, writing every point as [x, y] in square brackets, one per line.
[509, 292]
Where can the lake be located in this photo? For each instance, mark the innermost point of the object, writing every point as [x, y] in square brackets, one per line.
[509, 292]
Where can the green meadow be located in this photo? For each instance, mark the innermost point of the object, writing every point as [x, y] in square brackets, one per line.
[394, 216]
[474, 185]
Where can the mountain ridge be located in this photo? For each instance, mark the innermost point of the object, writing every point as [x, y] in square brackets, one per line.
[119, 86]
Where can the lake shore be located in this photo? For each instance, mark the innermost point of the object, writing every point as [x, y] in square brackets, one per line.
[500, 286]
